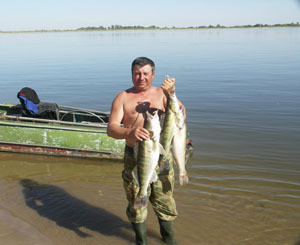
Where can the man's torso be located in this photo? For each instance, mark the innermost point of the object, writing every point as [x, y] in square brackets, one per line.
[136, 104]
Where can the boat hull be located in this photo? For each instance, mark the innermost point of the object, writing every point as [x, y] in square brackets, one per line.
[54, 151]
[58, 138]
[77, 133]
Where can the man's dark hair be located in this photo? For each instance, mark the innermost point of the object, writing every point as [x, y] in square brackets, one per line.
[142, 61]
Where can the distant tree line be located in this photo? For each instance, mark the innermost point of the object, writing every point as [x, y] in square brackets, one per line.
[153, 27]
[138, 27]
[265, 25]
[117, 27]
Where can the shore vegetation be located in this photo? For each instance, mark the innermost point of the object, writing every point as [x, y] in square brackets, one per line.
[153, 27]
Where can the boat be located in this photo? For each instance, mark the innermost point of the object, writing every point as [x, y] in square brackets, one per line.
[76, 132]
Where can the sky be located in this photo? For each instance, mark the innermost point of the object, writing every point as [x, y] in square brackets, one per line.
[18, 15]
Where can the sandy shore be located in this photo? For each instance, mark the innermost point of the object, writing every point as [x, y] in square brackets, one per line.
[15, 231]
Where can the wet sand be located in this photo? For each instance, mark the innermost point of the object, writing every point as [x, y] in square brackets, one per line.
[16, 231]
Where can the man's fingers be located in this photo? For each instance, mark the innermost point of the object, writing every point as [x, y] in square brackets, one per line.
[142, 134]
[145, 135]
[168, 85]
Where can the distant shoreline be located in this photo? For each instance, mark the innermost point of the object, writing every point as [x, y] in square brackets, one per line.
[136, 28]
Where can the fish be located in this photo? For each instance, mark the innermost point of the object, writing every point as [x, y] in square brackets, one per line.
[169, 122]
[173, 137]
[147, 155]
[179, 145]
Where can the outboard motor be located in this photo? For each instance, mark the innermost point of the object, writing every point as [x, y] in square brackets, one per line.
[33, 107]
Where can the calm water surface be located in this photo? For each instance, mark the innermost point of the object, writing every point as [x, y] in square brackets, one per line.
[241, 89]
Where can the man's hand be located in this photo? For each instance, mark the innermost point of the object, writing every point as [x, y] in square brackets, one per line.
[139, 133]
[168, 85]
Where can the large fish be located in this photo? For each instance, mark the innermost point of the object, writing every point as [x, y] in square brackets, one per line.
[179, 144]
[169, 122]
[173, 137]
[147, 153]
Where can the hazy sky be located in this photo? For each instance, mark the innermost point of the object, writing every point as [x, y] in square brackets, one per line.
[72, 14]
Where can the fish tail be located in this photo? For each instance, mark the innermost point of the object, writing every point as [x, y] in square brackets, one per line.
[183, 179]
[141, 201]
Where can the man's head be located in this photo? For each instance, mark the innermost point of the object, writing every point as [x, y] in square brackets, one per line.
[143, 71]
[142, 61]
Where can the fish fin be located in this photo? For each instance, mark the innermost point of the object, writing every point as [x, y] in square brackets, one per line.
[153, 177]
[183, 178]
[140, 202]
[165, 163]
[162, 150]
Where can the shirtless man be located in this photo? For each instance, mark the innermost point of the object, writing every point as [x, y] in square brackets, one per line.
[128, 108]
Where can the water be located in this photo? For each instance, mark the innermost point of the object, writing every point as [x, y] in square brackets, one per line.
[241, 91]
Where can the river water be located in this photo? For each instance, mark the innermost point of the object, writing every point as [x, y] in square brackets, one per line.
[241, 90]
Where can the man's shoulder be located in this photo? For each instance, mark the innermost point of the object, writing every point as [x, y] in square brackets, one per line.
[125, 93]
[156, 88]
[128, 91]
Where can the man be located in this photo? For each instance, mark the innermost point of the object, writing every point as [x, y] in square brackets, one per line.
[129, 108]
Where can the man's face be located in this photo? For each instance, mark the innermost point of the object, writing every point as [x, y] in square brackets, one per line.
[142, 77]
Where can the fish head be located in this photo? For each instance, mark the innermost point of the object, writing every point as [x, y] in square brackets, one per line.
[149, 116]
[152, 117]
[153, 124]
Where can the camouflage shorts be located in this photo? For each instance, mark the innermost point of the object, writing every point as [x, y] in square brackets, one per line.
[160, 192]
